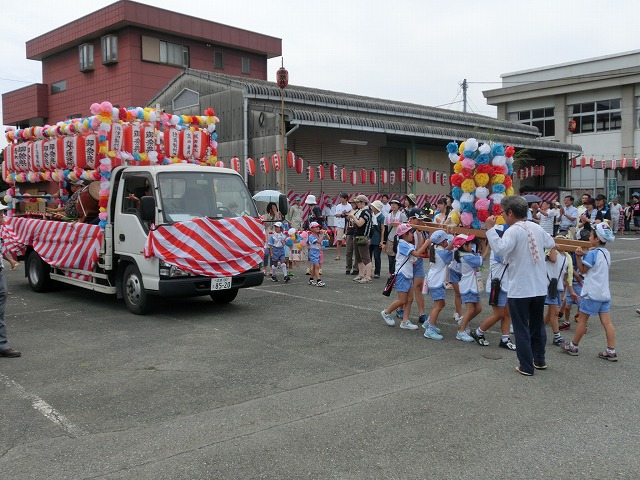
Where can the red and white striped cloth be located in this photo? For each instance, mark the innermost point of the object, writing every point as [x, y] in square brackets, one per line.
[215, 248]
[550, 196]
[60, 244]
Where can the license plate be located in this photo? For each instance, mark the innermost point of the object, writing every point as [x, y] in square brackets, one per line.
[221, 283]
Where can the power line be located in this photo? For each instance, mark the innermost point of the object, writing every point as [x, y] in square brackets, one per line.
[15, 80]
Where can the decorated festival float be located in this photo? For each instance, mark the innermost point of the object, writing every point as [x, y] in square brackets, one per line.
[157, 215]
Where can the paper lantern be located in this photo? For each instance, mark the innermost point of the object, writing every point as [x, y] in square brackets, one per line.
[7, 164]
[443, 179]
[86, 151]
[592, 162]
[291, 159]
[264, 164]
[220, 164]
[614, 164]
[636, 163]
[603, 164]
[384, 177]
[299, 165]
[536, 171]
[50, 152]
[402, 175]
[542, 170]
[583, 162]
[363, 176]
[310, 173]
[37, 156]
[574, 162]
[333, 171]
[250, 166]
[435, 178]
[392, 177]
[373, 177]
[410, 175]
[343, 175]
[320, 172]
[419, 175]
[427, 176]
[275, 161]
[66, 160]
[235, 164]
[115, 137]
[624, 162]
[354, 177]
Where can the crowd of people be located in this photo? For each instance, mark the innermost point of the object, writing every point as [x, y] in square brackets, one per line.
[527, 271]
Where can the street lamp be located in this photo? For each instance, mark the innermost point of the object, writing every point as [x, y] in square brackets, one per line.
[282, 77]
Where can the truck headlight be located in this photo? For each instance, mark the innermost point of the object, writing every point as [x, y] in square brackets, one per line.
[171, 271]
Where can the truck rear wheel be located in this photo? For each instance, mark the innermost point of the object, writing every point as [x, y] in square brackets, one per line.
[135, 297]
[38, 273]
[224, 296]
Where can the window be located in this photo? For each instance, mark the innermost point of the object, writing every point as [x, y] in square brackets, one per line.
[58, 87]
[218, 61]
[246, 65]
[541, 118]
[86, 57]
[109, 49]
[600, 116]
[174, 54]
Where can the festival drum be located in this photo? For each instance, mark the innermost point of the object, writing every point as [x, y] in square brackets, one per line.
[87, 203]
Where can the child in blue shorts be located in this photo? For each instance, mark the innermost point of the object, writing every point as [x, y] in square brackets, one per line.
[596, 296]
[454, 280]
[557, 266]
[315, 242]
[440, 255]
[470, 262]
[405, 258]
[276, 245]
[575, 281]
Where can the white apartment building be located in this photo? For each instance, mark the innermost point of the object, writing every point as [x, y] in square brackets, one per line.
[602, 96]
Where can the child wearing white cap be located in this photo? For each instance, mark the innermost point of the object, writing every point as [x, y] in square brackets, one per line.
[595, 297]
[440, 255]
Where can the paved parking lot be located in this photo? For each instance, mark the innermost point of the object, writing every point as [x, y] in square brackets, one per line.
[293, 381]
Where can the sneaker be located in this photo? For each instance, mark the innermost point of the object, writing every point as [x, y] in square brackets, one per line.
[565, 326]
[320, 272]
[354, 272]
[607, 355]
[479, 338]
[400, 313]
[457, 318]
[358, 278]
[638, 311]
[427, 325]
[320, 283]
[464, 337]
[540, 367]
[312, 282]
[422, 319]
[408, 325]
[522, 372]
[570, 349]
[308, 272]
[508, 345]
[558, 341]
[432, 334]
[388, 318]
[274, 278]
[287, 278]
[376, 275]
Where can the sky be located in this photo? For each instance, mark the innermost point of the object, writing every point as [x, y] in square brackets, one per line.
[416, 51]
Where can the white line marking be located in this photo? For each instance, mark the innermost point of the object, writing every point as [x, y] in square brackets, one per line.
[624, 259]
[31, 313]
[357, 307]
[43, 407]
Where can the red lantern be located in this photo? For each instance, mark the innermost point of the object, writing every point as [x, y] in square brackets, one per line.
[410, 175]
[443, 179]
[435, 177]
[603, 164]
[310, 173]
[541, 170]
[333, 171]
[536, 171]
[418, 176]
[427, 176]
[572, 126]
[363, 176]
[392, 177]
[384, 177]
[624, 163]
[343, 175]
[583, 162]
[291, 159]
[264, 165]
[354, 177]
[574, 162]
[299, 165]
[402, 175]
[373, 177]
[235, 164]
[282, 77]
[275, 161]
[636, 163]
[220, 164]
[250, 166]
[592, 162]
[320, 172]
[614, 164]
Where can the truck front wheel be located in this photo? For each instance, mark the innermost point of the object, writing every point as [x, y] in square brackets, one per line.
[38, 273]
[135, 297]
[224, 296]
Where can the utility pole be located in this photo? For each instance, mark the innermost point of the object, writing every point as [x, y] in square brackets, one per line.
[465, 85]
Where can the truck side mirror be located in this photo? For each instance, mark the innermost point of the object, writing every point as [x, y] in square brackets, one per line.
[148, 208]
[283, 204]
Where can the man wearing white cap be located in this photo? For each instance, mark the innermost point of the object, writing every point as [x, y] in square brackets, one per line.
[5, 351]
[340, 213]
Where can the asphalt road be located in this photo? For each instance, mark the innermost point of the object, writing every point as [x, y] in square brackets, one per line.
[293, 381]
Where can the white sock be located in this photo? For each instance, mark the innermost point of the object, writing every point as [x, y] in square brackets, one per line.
[505, 338]
[284, 268]
[273, 270]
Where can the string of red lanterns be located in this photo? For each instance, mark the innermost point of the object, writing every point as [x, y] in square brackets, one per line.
[612, 164]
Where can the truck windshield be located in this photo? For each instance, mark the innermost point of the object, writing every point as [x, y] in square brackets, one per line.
[188, 195]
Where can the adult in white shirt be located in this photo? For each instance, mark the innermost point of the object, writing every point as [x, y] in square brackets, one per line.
[329, 213]
[615, 209]
[386, 208]
[340, 213]
[568, 217]
[522, 246]
[546, 217]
